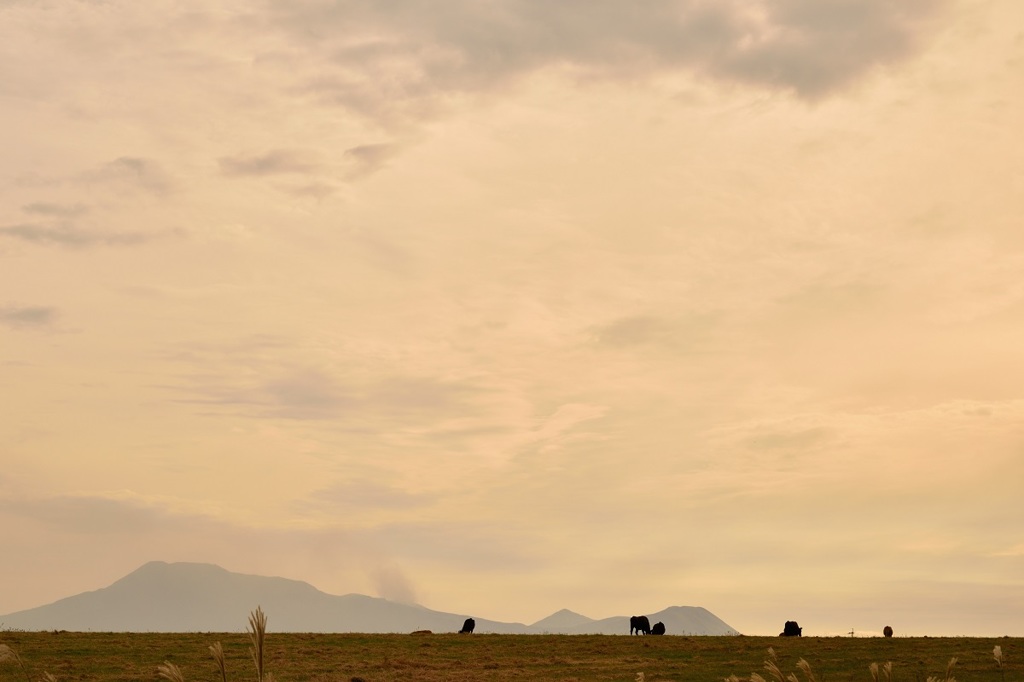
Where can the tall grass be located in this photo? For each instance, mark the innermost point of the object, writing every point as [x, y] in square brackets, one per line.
[331, 658]
[9, 654]
[948, 677]
[882, 673]
[217, 651]
[886, 672]
[257, 635]
[170, 672]
[771, 666]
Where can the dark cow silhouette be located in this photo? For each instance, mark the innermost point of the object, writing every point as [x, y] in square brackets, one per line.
[658, 628]
[639, 624]
[791, 630]
[887, 631]
[468, 627]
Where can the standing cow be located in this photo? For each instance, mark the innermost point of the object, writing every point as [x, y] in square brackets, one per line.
[887, 631]
[638, 625]
[791, 630]
[468, 627]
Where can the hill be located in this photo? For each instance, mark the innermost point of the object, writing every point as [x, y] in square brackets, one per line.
[190, 597]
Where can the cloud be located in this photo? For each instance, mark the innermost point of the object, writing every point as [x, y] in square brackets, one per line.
[633, 330]
[307, 394]
[275, 162]
[313, 190]
[402, 59]
[132, 172]
[787, 440]
[89, 514]
[55, 210]
[364, 495]
[313, 393]
[27, 317]
[368, 158]
[687, 334]
[71, 237]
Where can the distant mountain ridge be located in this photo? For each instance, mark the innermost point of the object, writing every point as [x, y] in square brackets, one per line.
[192, 597]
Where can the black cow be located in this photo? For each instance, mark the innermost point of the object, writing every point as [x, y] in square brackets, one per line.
[887, 631]
[791, 630]
[658, 629]
[468, 627]
[638, 625]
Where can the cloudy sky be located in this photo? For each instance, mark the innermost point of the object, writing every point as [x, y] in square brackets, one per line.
[512, 306]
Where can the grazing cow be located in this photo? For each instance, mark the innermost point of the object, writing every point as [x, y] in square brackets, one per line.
[887, 631]
[791, 630]
[658, 629]
[638, 625]
[468, 627]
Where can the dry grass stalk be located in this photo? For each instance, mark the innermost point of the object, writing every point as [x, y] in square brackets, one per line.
[9, 654]
[805, 668]
[170, 672]
[772, 666]
[257, 634]
[47, 677]
[949, 668]
[949, 673]
[217, 651]
[886, 671]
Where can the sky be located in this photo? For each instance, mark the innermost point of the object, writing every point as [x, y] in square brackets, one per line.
[513, 306]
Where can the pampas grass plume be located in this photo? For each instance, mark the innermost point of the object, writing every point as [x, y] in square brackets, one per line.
[217, 651]
[9, 654]
[257, 634]
[805, 667]
[170, 672]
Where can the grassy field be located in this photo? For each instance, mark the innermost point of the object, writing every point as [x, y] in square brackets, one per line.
[130, 657]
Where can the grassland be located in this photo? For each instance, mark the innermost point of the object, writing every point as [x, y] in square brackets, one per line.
[131, 657]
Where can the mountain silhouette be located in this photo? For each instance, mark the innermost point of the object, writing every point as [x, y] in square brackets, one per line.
[561, 622]
[192, 597]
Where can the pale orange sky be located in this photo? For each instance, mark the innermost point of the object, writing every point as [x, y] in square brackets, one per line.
[516, 306]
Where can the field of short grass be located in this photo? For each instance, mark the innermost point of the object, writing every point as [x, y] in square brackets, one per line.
[131, 657]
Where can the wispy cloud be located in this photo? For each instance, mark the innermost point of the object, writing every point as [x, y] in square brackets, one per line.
[364, 495]
[274, 162]
[407, 56]
[73, 237]
[27, 317]
[133, 173]
[55, 210]
[368, 158]
[93, 514]
[313, 393]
